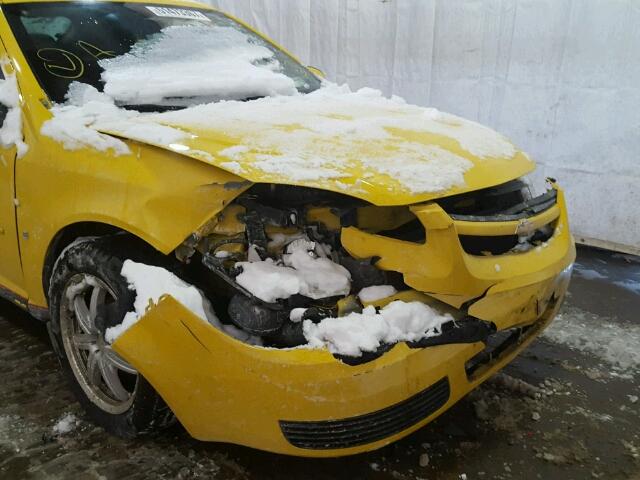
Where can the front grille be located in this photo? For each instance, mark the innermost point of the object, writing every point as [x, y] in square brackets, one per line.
[509, 202]
[351, 432]
[503, 203]
[501, 244]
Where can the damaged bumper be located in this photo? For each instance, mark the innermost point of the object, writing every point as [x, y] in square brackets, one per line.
[306, 402]
[506, 289]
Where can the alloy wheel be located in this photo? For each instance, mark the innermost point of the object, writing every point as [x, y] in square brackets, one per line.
[105, 377]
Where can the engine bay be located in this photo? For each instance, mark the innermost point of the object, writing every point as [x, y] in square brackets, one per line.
[273, 260]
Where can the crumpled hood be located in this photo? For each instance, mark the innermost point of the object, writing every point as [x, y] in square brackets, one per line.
[359, 143]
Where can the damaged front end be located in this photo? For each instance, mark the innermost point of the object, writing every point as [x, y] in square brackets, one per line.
[495, 263]
[270, 224]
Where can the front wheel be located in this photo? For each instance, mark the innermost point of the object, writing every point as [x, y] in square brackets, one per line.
[87, 295]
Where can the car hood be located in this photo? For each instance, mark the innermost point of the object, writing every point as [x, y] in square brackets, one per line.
[379, 150]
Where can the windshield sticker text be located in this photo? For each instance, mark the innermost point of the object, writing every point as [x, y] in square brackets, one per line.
[178, 13]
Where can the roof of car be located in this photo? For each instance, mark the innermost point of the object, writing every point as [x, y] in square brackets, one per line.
[177, 3]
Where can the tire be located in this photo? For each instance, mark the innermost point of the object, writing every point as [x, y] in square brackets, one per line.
[87, 295]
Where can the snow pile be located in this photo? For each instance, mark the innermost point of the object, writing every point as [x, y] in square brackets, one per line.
[151, 283]
[616, 344]
[319, 276]
[629, 284]
[375, 293]
[268, 280]
[11, 131]
[66, 424]
[207, 61]
[367, 331]
[325, 134]
[77, 123]
[588, 273]
[304, 270]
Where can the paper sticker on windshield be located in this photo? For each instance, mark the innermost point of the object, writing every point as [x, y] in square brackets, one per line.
[178, 13]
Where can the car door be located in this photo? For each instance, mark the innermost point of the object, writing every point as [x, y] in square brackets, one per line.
[11, 280]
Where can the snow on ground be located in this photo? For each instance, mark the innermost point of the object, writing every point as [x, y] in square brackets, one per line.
[588, 273]
[151, 283]
[367, 331]
[628, 284]
[616, 344]
[11, 131]
[215, 62]
[67, 423]
[302, 271]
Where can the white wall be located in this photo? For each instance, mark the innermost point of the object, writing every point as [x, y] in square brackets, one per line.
[561, 78]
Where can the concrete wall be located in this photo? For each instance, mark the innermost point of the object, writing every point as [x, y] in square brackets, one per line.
[561, 78]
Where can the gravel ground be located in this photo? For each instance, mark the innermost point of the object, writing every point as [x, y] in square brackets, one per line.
[567, 408]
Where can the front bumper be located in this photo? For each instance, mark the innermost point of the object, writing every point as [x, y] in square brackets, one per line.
[305, 402]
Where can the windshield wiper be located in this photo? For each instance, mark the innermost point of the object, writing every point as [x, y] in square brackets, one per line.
[151, 108]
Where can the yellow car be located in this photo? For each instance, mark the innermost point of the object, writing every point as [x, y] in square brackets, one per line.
[213, 233]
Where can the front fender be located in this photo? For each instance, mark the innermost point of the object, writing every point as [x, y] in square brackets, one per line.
[154, 194]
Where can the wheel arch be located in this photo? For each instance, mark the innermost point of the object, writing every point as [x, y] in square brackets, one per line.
[70, 233]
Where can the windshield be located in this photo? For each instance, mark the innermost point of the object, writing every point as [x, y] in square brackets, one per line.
[147, 54]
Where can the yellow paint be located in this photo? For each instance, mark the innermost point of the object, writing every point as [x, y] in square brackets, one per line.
[11, 277]
[94, 51]
[442, 268]
[222, 389]
[225, 391]
[228, 222]
[61, 63]
[324, 216]
[368, 218]
[317, 72]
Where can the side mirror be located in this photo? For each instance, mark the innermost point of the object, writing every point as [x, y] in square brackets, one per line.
[316, 71]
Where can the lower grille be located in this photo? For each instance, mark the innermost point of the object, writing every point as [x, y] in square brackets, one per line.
[351, 432]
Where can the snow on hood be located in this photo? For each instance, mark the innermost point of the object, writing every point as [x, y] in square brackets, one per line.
[379, 149]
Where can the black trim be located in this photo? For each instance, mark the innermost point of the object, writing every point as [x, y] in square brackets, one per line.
[13, 297]
[526, 209]
[40, 313]
[461, 332]
[368, 428]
